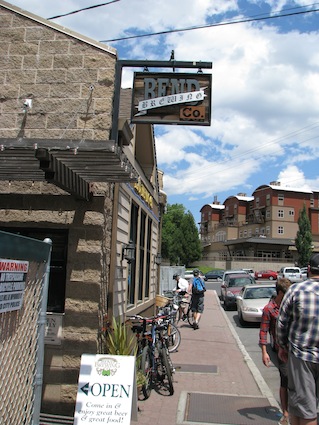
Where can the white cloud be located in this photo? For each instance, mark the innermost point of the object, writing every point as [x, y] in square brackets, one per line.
[265, 90]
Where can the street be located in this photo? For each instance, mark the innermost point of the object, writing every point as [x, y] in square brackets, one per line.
[249, 336]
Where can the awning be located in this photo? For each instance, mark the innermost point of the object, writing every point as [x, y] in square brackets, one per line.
[260, 240]
[70, 164]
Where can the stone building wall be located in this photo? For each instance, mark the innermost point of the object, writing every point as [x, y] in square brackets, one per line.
[70, 81]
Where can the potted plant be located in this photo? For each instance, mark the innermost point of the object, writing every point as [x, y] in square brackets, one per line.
[120, 343]
[118, 340]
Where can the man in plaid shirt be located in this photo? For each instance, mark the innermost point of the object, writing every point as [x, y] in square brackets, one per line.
[298, 334]
[268, 325]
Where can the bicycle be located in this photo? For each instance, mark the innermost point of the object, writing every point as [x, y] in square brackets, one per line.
[142, 340]
[155, 362]
[168, 314]
[182, 304]
[162, 366]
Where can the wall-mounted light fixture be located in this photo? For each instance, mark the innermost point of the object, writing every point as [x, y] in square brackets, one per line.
[158, 259]
[128, 252]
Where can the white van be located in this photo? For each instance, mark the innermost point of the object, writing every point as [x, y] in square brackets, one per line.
[292, 273]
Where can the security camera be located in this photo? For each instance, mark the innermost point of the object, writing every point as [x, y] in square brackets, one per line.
[27, 104]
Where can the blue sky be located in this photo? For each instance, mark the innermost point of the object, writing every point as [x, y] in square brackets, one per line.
[265, 91]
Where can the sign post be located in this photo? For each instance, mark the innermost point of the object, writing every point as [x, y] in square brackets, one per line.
[106, 390]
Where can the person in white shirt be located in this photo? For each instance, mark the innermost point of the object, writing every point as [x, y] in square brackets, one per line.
[182, 286]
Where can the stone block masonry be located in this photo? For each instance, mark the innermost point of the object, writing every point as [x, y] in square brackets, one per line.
[69, 81]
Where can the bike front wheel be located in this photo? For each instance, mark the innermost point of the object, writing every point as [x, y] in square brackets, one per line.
[173, 338]
[146, 366]
[190, 317]
[165, 371]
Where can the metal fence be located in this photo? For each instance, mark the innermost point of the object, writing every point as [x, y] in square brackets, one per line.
[22, 327]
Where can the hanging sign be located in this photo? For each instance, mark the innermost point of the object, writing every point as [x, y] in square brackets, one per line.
[105, 390]
[171, 98]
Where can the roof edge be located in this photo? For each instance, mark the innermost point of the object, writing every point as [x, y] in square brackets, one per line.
[59, 28]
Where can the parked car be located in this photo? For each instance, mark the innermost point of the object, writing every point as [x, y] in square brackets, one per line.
[226, 273]
[266, 274]
[250, 271]
[214, 275]
[292, 273]
[189, 275]
[231, 287]
[252, 299]
[304, 272]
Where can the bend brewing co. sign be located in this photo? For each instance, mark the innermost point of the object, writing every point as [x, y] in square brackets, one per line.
[171, 98]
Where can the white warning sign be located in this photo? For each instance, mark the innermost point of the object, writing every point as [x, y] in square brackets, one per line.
[13, 274]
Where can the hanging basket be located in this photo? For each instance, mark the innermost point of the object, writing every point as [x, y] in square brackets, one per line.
[161, 301]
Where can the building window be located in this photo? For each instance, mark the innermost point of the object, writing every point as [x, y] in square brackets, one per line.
[257, 231]
[280, 230]
[241, 234]
[148, 259]
[268, 199]
[281, 198]
[131, 267]
[312, 202]
[268, 230]
[249, 233]
[280, 213]
[141, 256]
[220, 236]
[268, 214]
[138, 287]
[291, 213]
[257, 202]
[57, 280]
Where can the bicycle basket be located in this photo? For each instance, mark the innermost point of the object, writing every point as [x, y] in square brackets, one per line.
[161, 301]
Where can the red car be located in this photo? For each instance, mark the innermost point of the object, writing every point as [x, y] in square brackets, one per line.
[266, 274]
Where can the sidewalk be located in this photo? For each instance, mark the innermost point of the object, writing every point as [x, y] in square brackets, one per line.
[215, 381]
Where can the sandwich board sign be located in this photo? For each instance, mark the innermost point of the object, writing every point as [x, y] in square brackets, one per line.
[106, 390]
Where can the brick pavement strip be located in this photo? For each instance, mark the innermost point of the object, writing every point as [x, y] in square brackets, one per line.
[213, 344]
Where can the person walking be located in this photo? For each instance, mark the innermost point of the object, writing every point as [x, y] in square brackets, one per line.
[268, 325]
[197, 288]
[298, 337]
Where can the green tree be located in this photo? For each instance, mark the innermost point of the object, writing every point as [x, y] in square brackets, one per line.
[303, 240]
[180, 240]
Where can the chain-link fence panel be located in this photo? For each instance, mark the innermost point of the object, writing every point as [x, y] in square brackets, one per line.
[22, 276]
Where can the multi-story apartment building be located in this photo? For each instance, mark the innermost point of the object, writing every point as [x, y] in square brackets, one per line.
[261, 226]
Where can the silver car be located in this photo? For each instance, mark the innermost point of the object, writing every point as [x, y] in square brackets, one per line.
[252, 300]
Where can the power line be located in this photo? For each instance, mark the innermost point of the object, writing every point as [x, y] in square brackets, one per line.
[256, 19]
[81, 10]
